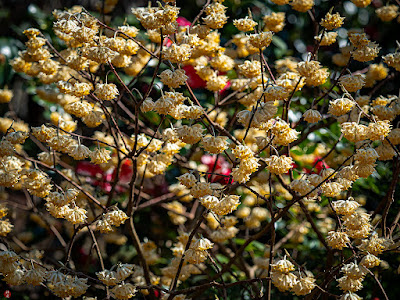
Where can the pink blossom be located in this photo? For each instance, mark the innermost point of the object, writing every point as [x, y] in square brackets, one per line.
[221, 167]
[183, 21]
[194, 80]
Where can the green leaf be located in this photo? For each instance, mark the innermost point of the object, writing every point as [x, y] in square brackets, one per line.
[222, 258]
[297, 152]
[280, 46]
[311, 149]
[279, 43]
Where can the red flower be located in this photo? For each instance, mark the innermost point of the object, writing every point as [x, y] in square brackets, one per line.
[105, 179]
[226, 87]
[321, 165]
[183, 21]
[194, 80]
[221, 167]
[126, 172]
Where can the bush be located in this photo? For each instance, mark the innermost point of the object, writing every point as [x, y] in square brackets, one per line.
[239, 155]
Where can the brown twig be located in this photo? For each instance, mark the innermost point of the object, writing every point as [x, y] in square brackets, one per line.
[174, 282]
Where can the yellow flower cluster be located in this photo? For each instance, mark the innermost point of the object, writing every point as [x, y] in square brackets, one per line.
[5, 225]
[246, 24]
[5, 95]
[332, 21]
[302, 5]
[361, 3]
[387, 13]
[274, 22]
[365, 50]
[279, 164]
[284, 280]
[248, 163]
[313, 72]
[327, 38]
[244, 139]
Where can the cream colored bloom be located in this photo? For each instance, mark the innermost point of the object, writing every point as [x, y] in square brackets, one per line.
[261, 40]
[279, 164]
[302, 5]
[106, 91]
[246, 24]
[107, 277]
[345, 207]
[304, 285]
[337, 239]
[5, 95]
[100, 156]
[340, 106]
[250, 69]
[123, 291]
[214, 145]
[312, 116]
[76, 215]
[283, 266]
[332, 21]
[79, 151]
[369, 261]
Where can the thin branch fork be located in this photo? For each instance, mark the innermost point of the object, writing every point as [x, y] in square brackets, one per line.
[94, 200]
[122, 82]
[276, 217]
[139, 249]
[174, 282]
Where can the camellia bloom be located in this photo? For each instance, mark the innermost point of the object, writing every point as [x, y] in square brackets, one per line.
[219, 166]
